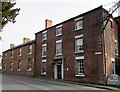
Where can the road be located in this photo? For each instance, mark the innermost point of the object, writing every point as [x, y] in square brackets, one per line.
[14, 82]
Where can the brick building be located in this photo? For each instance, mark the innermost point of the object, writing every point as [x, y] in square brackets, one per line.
[19, 59]
[78, 49]
[118, 20]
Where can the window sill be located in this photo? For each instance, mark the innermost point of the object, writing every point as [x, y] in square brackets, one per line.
[59, 35]
[81, 75]
[59, 54]
[29, 70]
[44, 73]
[116, 54]
[29, 53]
[44, 56]
[79, 52]
[11, 57]
[19, 55]
[19, 70]
[44, 39]
[79, 29]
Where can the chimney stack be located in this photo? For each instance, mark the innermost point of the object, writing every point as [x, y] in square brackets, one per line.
[26, 40]
[12, 45]
[48, 23]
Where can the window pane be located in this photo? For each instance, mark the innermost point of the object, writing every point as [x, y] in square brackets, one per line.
[44, 36]
[79, 45]
[59, 31]
[59, 48]
[79, 24]
[80, 66]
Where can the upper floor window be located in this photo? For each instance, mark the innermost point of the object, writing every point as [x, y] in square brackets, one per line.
[30, 49]
[59, 47]
[11, 53]
[44, 50]
[79, 44]
[43, 67]
[11, 65]
[59, 30]
[29, 64]
[5, 55]
[19, 65]
[80, 66]
[44, 35]
[20, 52]
[79, 23]
[116, 47]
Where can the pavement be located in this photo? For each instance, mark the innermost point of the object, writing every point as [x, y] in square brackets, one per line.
[101, 86]
[14, 82]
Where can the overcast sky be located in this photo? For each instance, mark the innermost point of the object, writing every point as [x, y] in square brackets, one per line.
[34, 12]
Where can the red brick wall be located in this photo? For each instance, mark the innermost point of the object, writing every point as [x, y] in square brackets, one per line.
[93, 63]
[24, 61]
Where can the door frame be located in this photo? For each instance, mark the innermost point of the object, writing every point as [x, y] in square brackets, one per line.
[55, 70]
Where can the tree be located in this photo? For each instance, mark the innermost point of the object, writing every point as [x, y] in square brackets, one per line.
[8, 13]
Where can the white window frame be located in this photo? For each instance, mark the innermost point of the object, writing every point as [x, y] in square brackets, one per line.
[44, 45]
[60, 26]
[19, 64]
[11, 66]
[58, 41]
[78, 37]
[20, 52]
[11, 53]
[79, 58]
[4, 66]
[30, 48]
[76, 20]
[43, 62]
[29, 64]
[116, 47]
[45, 32]
[5, 55]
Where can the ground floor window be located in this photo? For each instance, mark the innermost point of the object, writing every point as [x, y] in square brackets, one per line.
[19, 65]
[11, 64]
[4, 66]
[80, 66]
[43, 67]
[29, 64]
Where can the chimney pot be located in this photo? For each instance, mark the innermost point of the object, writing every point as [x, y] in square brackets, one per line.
[26, 40]
[12, 45]
[48, 23]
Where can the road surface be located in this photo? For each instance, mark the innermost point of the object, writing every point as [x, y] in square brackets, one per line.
[14, 82]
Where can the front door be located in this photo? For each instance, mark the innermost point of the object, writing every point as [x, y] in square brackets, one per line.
[59, 71]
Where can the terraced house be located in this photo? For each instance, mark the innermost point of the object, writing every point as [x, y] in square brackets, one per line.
[19, 59]
[78, 49]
